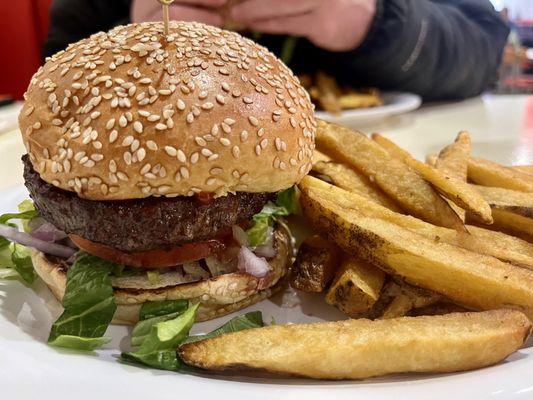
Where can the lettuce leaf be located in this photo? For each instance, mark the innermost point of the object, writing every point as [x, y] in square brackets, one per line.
[249, 320]
[21, 262]
[89, 305]
[153, 309]
[24, 207]
[153, 313]
[287, 202]
[158, 350]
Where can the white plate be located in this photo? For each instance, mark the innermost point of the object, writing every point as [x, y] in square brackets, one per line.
[394, 103]
[501, 130]
[28, 365]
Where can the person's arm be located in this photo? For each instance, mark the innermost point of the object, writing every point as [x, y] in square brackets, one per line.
[438, 49]
[72, 20]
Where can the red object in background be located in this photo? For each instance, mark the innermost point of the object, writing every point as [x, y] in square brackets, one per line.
[23, 30]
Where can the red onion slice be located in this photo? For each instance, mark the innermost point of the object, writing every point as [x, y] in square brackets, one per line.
[26, 239]
[48, 233]
[248, 262]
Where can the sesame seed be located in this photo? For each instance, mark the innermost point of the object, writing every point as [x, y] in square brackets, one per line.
[184, 172]
[151, 145]
[220, 99]
[225, 141]
[135, 145]
[260, 132]
[180, 104]
[207, 106]
[122, 122]
[258, 150]
[128, 140]
[247, 100]
[160, 127]
[236, 151]
[253, 120]
[225, 127]
[153, 118]
[127, 157]
[171, 151]
[144, 113]
[141, 153]
[264, 143]
[138, 127]
[190, 118]
[194, 158]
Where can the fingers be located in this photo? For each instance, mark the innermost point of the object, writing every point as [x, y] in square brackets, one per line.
[186, 13]
[202, 3]
[182, 10]
[257, 10]
[296, 25]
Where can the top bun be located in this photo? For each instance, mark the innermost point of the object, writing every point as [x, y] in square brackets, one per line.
[133, 113]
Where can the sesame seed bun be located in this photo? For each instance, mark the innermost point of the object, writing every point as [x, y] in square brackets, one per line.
[131, 113]
[217, 296]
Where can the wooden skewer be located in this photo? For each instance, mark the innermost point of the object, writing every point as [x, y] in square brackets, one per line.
[166, 14]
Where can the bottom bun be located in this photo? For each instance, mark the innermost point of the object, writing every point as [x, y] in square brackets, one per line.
[217, 296]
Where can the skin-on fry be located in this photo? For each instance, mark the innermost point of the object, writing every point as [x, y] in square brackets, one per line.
[453, 161]
[356, 287]
[488, 173]
[315, 264]
[510, 223]
[355, 99]
[361, 348]
[396, 179]
[520, 203]
[467, 278]
[350, 179]
[526, 169]
[329, 93]
[496, 244]
[318, 156]
[409, 298]
[454, 189]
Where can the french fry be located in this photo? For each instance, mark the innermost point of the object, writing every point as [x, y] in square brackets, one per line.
[526, 169]
[318, 156]
[356, 287]
[496, 244]
[315, 264]
[453, 161]
[409, 298]
[510, 223]
[355, 99]
[396, 179]
[329, 93]
[520, 203]
[357, 349]
[467, 278]
[350, 179]
[488, 173]
[454, 189]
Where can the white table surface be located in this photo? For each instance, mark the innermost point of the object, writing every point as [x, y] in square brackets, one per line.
[502, 130]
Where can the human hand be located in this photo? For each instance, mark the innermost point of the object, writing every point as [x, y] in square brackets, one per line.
[336, 25]
[205, 11]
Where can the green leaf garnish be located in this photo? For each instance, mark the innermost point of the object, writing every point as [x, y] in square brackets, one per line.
[158, 350]
[21, 262]
[89, 304]
[286, 203]
[249, 320]
[153, 313]
[79, 342]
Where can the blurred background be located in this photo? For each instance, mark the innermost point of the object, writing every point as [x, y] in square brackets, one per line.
[25, 25]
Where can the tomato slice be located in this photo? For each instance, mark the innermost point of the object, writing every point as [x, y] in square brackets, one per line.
[154, 258]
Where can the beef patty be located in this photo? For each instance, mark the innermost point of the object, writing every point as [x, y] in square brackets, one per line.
[140, 224]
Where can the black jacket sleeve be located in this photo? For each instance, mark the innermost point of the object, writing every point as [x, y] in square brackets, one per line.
[73, 20]
[438, 49]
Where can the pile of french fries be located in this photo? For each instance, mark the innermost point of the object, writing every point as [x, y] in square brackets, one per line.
[432, 262]
[328, 96]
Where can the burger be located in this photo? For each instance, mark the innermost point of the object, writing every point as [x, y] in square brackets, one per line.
[170, 158]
